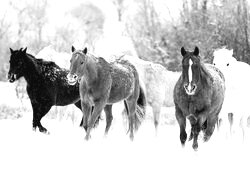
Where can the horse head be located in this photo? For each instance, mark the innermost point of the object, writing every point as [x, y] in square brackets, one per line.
[223, 59]
[77, 64]
[17, 64]
[191, 70]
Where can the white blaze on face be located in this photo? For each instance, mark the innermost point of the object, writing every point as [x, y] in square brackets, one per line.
[190, 75]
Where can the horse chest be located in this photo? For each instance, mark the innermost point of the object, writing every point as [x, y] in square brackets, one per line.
[194, 105]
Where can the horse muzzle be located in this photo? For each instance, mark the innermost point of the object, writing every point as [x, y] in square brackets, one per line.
[190, 88]
[12, 77]
[72, 79]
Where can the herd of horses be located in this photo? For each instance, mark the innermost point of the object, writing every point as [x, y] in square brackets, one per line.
[93, 84]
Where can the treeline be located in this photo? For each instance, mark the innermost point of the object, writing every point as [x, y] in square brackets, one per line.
[208, 24]
[27, 24]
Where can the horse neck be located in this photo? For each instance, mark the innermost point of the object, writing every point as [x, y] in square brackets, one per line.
[31, 72]
[91, 70]
[205, 75]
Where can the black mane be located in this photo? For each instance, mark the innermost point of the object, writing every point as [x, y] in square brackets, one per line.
[40, 61]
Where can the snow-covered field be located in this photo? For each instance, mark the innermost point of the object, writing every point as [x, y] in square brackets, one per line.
[64, 154]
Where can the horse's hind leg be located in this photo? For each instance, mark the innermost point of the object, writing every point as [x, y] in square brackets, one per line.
[230, 119]
[39, 110]
[109, 117]
[182, 123]
[211, 122]
[156, 113]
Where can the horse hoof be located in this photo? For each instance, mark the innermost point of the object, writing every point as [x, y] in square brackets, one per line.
[183, 144]
[85, 128]
[206, 138]
[87, 137]
[44, 130]
[195, 146]
[183, 137]
[191, 136]
[131, 137]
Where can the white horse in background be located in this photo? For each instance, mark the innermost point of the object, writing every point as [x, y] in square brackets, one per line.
[159, 84]
[237, 96]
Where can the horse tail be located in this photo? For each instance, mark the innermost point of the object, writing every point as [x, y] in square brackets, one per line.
[140, 112]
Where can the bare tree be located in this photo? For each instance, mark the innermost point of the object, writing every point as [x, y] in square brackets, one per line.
[120, 8]
[91, 20]
[4, 40]
[31, 17]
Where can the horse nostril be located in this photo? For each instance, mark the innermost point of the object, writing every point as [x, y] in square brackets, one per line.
[193, 87]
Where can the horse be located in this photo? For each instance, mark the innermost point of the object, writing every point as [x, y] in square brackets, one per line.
[159, 83]
[46, 84]
[237, 97]
[103, 84]
[198, 97]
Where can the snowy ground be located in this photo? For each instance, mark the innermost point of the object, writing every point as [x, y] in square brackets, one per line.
[64, 154]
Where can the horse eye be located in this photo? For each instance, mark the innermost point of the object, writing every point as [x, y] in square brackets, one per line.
[81, 62]
[227, 64]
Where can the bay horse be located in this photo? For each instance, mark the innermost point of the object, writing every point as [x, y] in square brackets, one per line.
[103, 84]
[198, 97]
[46, 84]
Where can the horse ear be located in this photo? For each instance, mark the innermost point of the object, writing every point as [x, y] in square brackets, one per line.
[85, 50]
[25, 50]
[11, 51]
[183, 51]
[73, 48]
[196, 51]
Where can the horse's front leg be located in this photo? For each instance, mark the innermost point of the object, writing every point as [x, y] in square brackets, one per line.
[86, 110]
[195, 132]
[98, 107]
[39, 110]
[182, 123]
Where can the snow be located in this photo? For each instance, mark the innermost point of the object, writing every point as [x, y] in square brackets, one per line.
[64, 154]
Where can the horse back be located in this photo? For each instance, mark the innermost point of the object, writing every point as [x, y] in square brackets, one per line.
[124, 77]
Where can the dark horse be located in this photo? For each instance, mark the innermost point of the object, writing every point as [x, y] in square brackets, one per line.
[198, 96]
[46, 84]
[103, 84]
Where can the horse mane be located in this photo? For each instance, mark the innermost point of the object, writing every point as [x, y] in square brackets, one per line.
[41, 62]
[208, 79]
